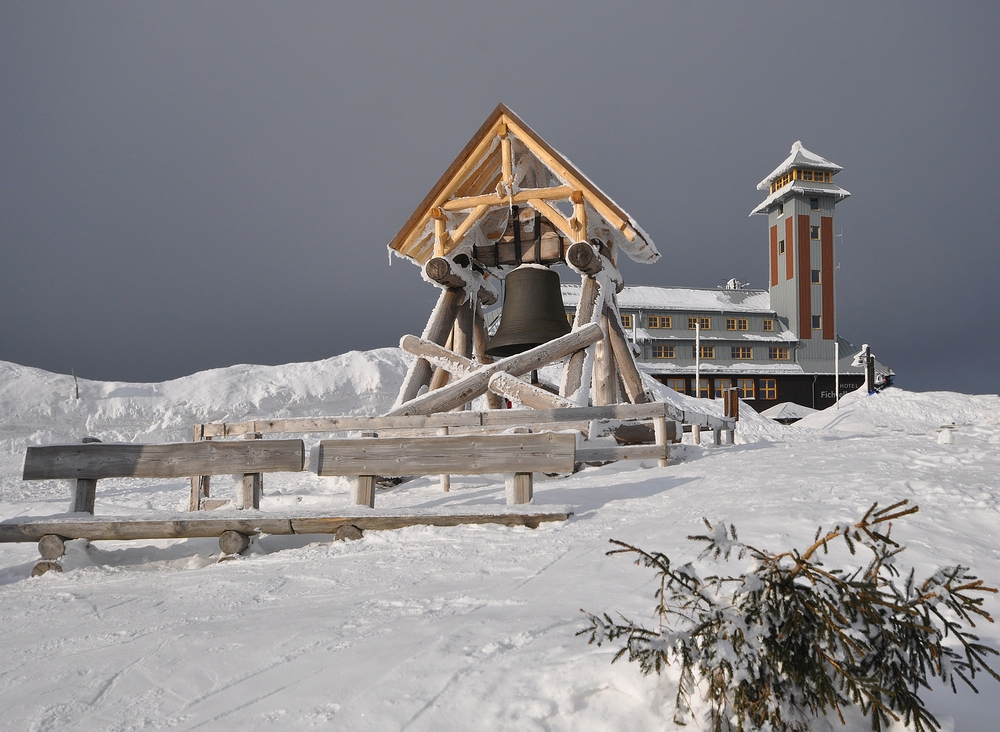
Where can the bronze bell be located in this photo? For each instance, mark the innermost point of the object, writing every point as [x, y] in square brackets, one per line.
[533, 311]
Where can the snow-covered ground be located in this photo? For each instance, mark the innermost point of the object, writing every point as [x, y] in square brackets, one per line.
[459, 628]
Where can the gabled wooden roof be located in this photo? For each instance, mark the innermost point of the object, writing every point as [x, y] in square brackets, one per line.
[504, 164]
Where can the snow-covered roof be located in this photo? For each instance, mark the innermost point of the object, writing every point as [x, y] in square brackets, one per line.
[802, 188]
[798, 158]
[645, 297]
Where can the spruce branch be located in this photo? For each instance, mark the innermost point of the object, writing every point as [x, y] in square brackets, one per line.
[791, 639]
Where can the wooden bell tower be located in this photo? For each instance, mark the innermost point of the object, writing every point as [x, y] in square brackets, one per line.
[510, 200]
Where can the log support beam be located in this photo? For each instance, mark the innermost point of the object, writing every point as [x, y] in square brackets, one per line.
[438, 329]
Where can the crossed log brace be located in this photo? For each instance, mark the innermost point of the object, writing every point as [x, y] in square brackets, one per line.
[451, 357]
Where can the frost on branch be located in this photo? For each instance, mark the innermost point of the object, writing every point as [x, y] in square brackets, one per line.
[792, 639]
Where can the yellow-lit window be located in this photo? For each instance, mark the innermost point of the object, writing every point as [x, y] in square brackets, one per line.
[720, 385]
[778, 353]
[745, 388]
[663, 351]
[768, 325]
[768, 389]
[678, 385]
[742, 352]
[730, 323]
[705, 323]
[658, 321]
[626, 321]
[570, 317]
[742, 324]
[706, 351]
[703, 388]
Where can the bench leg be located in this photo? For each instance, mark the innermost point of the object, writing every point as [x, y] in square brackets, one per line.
[86, 495]
[518, 488]
[251, 490]
[363, 491]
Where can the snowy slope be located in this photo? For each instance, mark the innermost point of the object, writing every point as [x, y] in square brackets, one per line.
[432, 628]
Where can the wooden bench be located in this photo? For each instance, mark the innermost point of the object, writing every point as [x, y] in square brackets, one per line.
[517, 456]
[93, 460]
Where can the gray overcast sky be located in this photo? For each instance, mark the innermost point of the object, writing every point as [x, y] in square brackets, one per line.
[192, 185]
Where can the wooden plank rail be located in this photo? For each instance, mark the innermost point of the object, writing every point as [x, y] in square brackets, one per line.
[454, 455]
[98, 460]
[491, 419]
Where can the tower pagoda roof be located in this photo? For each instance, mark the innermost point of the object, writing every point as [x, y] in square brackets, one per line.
[799, 158]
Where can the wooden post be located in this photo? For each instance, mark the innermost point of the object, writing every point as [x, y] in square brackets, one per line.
[253, 483]
[579, 221]
[604, 386]
[437, 330]
[442, 375]
[660, 432]
[199, 483]
[629, 372]
[717, 436]
[573, 372]
[518, 487]
[445, 479]
[363, 491]
[480, 341]
[440, 232]
[86, 489]
[463, 335]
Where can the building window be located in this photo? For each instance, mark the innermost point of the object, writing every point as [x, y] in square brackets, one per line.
[768, 325]
[721, 385]
[730, 323]
[778, 353]
[745, 388]
[706, 351]
[781, 247]
[626, 321]
[742, 352]
[743, 324]
[663, 351]
[769, 389]
[659, 321]
[814, 276]
[678, 385]
[817, 322]
[814, 204]
[703, 388]
[814, 232]
[705, 323]
[570, 317]
[781, 210]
